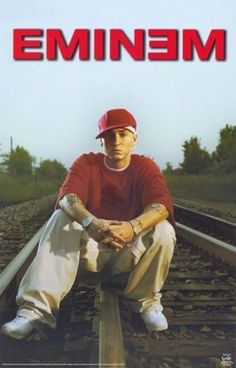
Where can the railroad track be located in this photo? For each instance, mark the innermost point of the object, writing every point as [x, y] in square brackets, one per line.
[18, 224]
[211, 225]
[199, 302]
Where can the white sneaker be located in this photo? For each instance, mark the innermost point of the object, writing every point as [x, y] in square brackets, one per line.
[154, 321]
[18, 328]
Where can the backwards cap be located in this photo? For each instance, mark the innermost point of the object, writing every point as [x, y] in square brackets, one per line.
[116, 118]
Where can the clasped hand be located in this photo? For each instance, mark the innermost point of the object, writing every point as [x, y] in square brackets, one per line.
[111, 233]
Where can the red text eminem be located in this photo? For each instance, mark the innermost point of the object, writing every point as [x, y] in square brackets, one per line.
[100, 44]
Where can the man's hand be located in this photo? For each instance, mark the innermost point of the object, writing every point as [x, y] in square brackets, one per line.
[95, 230]
[111, 233]
[117, 234]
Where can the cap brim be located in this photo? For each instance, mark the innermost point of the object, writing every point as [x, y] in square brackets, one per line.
[113, 127]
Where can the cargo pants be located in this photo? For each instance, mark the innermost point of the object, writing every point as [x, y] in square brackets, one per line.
[65, 246]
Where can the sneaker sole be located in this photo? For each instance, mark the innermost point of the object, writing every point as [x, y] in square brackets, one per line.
[15, 337]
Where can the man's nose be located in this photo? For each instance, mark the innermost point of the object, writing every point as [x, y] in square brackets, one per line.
[116, 139]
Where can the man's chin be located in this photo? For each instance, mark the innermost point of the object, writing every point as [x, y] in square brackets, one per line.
[116, 156]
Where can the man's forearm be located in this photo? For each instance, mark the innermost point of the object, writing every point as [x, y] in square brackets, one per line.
[74, 207]
[151, 216]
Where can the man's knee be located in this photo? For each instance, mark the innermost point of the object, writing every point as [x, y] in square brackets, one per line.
[61, 232]
[165, 235]
[59, 216]
[61, 219]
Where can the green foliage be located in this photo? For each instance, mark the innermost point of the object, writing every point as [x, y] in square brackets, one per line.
[222, 161]
[18, 161]
[18, 188]
[17, 183]
[169, 168]
[196, 159]
[204, 176]
[225, 154]
[51, 169]
[206, 187]
[226, 147]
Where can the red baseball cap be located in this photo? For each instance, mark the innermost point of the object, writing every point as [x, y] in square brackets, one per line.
[116, 118]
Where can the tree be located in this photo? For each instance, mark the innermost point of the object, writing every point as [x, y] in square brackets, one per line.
[51, 169]
[225, 152]
[196, 159]
[169, 168]
[18, 161]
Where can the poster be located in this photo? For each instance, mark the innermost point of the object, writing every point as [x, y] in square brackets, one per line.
[176, 73]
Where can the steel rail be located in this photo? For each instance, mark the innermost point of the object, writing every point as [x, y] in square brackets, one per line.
[111, 348]
[8, 274]
[212, 222]
[205, 215]
[225, 251]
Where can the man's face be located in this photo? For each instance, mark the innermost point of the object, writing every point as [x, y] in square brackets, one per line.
[119, 143]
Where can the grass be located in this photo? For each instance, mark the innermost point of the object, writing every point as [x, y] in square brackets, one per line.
[205, 187]
[21, 188]
[202, 187]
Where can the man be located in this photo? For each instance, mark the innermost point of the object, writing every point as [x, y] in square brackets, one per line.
[114, 216]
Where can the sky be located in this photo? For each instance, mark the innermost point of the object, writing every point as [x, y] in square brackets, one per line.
[51, 108]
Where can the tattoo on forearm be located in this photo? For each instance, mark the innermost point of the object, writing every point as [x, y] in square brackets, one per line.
[72, 198]
[156, 207]
[68, 200]
[139, 221]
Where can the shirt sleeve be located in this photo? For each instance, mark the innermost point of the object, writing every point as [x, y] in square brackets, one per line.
[76, 180]
[154, 188]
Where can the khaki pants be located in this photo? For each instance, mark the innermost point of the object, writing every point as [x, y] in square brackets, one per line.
[64, 246]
